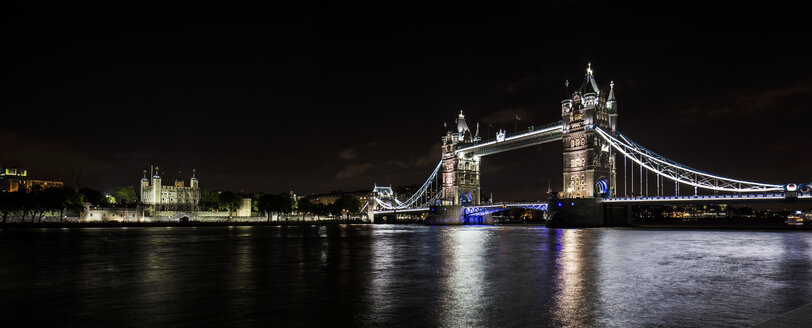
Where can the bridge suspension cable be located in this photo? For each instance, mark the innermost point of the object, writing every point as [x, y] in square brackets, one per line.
[426, 195]
[677, 172]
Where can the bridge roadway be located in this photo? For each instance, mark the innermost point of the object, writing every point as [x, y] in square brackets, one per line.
[706, 198]
[473, 209]
[543, 206]
[492, 208]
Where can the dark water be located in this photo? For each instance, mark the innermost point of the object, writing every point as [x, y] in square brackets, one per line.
[400, 276]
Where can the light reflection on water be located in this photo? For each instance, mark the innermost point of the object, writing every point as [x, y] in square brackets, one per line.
[401, 276]
[463, 294]
[570, 303]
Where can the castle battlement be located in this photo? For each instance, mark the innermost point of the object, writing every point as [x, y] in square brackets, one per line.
[178, 197]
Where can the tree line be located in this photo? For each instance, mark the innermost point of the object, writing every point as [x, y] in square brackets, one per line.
[36, 202]
[278, 204]
[66, 201]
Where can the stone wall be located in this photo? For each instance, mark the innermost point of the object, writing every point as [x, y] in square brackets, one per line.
[111, 214]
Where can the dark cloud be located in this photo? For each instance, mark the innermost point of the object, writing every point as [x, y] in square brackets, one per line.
[431, 158]
[512, 87]
[353, 170]
[756, 102]
[347, 154]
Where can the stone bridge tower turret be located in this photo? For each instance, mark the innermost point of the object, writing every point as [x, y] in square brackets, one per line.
[589, 164]
[460, 174]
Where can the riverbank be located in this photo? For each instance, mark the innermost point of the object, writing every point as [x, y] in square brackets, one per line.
[722, 225]
[17, 225]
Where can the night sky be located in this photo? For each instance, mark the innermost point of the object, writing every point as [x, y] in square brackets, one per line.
[315, 97]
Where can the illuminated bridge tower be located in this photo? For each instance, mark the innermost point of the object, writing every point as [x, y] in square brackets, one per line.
[460, 174]
[589, 164]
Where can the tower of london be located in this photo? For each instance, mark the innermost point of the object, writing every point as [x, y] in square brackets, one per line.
[177, 197]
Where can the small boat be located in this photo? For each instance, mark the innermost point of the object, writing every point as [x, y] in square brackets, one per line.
[795, 220]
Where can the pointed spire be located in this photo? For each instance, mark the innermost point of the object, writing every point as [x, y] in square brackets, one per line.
[611, 103]
[567, 93]
[589, 85]
[462, 127]
[194, 171]
[612, 90]
[476, 135]
[145, 175]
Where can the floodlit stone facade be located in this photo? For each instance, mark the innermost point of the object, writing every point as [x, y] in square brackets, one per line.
[460, 173]
[589, 165]
[177, 197]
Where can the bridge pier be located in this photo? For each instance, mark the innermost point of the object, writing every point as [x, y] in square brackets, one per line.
[588, 212]
[617, 215]
[455, 215]
[445, 215]
[576, 213]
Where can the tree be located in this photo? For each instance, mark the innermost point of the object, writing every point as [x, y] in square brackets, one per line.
[333, 209]
[208, 200]
[229, 201]
[305, 207]
[321, 210]
[39, 201]
[94, 197]
[69, 200]
[53, 200]
[125, 195]
[348, 204]
[23, 202]
[279, 203]
[9, 202]
[268, 204]
[286, 203]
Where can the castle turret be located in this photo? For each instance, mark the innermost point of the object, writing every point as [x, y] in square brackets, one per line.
[156, 186]
[193, 181]
[144, 181]
[611, 107]
[178, 180]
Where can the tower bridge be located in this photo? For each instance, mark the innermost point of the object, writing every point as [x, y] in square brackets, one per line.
[591, 146]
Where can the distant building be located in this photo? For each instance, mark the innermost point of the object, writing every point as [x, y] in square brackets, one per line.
[244, 210]
[177, 197]
[329, 198]
[14, 178]
[404, 192]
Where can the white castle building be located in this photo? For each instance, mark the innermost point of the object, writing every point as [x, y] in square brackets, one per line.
[157, 197]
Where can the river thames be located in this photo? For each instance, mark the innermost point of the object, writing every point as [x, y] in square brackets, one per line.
[401, 276]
